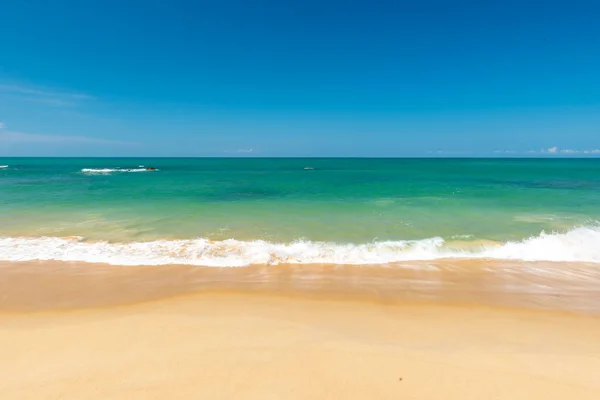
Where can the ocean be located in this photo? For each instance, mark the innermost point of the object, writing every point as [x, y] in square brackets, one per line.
[229, 212]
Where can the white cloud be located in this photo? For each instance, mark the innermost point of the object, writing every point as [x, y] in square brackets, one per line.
[449, 152]
[573, 151]
[244, 151]
[556, 150]
[32, 138]
[505, 152]
[49, 97]
[2, 125]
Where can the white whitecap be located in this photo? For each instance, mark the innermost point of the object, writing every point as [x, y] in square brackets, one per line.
[100, 171]
[578, 245]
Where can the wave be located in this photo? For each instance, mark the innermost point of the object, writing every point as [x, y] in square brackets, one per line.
[578, 245]
[111, 170]
[3, 166]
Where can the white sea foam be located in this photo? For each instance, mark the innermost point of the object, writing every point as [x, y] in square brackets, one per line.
[461, 236]
[100, 171]
[3, 166]
[578, 245]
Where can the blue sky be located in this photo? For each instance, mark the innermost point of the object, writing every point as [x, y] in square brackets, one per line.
[299, 78]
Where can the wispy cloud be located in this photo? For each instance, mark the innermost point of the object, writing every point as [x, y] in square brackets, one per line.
[2, 125]
[11, 137]
[549, 151]
[571, 151]
[52, 98]
[244, 151]
[556, 150]
[449, 152]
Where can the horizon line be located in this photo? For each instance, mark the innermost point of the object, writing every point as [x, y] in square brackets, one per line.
[544, 157]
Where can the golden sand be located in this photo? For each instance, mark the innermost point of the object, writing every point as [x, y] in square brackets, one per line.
[80, 331]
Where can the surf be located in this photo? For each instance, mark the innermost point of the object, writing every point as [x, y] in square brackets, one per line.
[92, 171]
[580, 244]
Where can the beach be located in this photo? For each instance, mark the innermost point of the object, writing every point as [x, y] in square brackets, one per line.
[262, 279]
[299, 200]
[97, 332]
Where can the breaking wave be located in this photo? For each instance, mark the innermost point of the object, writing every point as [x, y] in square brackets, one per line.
[577, 245]
[99, 171]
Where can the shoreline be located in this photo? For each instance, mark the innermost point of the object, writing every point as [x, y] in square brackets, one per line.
[572, 245]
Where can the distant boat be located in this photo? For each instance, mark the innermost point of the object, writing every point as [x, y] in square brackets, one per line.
[308, 168]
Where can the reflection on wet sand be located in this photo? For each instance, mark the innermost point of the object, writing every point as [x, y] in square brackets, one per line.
[571, 287]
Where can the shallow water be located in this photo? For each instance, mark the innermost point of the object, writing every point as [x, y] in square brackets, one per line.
[234, 212]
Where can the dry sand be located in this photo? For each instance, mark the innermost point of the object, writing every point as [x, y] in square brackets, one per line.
[176, 332]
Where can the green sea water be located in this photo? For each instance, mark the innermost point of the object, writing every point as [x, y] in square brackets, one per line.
[321, 200]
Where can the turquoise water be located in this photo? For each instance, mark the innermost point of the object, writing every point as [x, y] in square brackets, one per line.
[418, 205]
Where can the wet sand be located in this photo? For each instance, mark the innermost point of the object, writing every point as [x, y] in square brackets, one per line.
[451, 330]
[30, 286]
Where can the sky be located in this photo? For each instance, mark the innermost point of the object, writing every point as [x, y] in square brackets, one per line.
[263, 78]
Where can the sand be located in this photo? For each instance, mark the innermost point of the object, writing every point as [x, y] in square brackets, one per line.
[71, 332]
